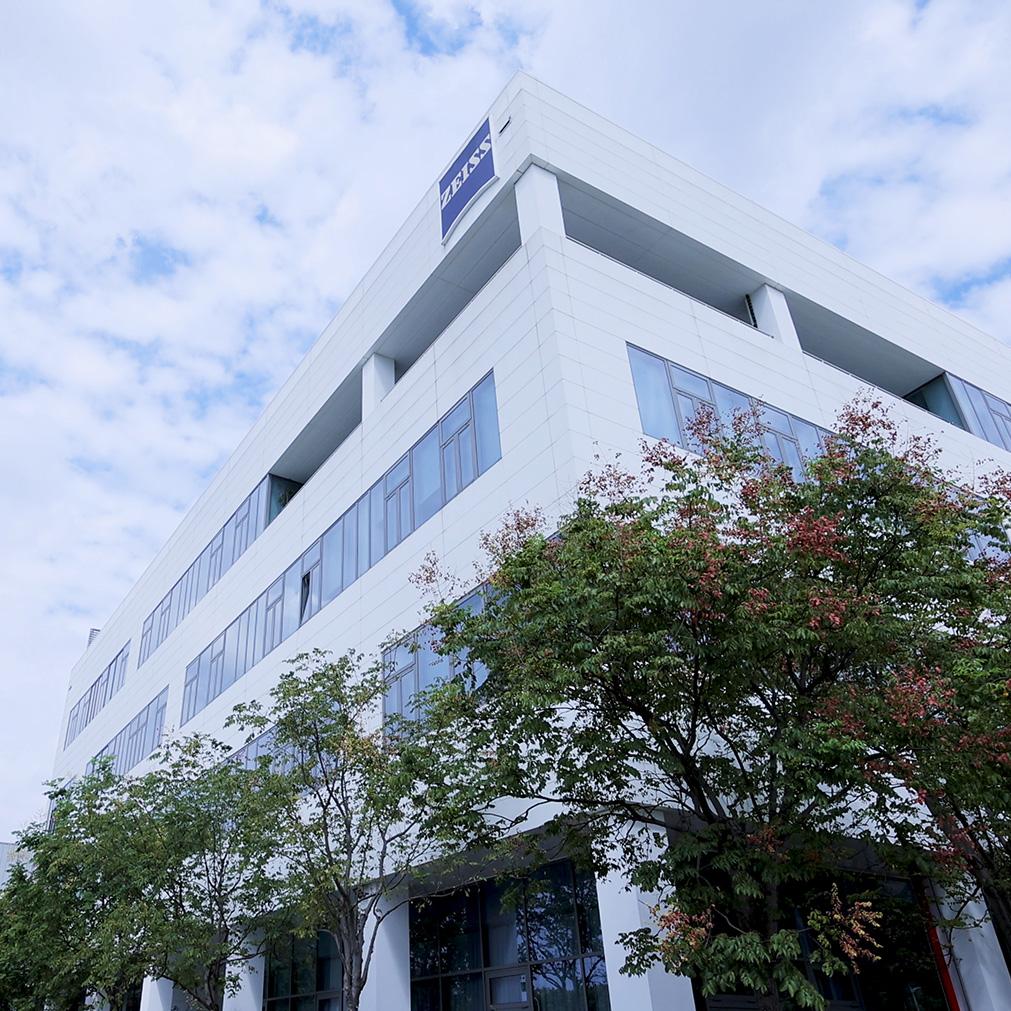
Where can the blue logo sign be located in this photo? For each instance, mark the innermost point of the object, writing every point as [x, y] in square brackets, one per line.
[466, 178]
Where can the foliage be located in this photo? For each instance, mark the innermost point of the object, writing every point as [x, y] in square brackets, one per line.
[71, 917]
[217, 899]
[351, 837]
[695, 675]
[166, 875]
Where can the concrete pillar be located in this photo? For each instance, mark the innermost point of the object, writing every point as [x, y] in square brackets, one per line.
[538, 203]
[389, 983]
[250, 993]
[623, 910]
[378, 377]
[156, 995]
[772, 315]
[979, 969]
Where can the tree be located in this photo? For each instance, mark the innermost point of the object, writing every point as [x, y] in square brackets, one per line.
[352, 835]
[669, 675]
[218, 896]
[71, 921]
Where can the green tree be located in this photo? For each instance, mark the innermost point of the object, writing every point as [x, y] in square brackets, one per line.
[353, 835]
[669, 677]
[218, 897]
[71, 916]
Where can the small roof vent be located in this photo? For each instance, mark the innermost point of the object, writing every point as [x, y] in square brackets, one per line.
[93, 634]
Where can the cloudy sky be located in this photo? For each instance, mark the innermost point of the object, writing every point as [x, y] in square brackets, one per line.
[188, 191]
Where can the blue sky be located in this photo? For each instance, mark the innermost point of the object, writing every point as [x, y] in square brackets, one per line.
[188, 191]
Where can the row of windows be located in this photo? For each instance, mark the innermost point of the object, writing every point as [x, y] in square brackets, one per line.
[669, 397]
[94, 699]
[258, 509]
[464, 444]
[526, 942]
[138, 738]
[415, 664]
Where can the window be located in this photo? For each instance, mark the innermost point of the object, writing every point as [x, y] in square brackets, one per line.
[670, 397]
[985, 415]
[303, 974]
[530, 942]
[138, 738]
[225, 548]
[102, 689]
[408, 494]
[272, 627]
[427, 477]
[459, 452]
[415, 663]
[397, 492]
[310, 599]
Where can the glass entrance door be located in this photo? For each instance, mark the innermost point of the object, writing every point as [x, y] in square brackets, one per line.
[507, 990]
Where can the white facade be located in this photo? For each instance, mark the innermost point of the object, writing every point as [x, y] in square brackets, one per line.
[589, 239]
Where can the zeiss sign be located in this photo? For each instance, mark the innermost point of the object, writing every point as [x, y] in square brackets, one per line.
[466, 178]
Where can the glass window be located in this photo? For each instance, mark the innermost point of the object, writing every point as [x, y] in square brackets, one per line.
[459, 932]
[489, 446]
[652, 391]
[398, 503]
[228, 544]
[557, 986]
[145, 637]
[595, 980]
[551, 913]
[231, 655]
[463, 993]
[303, 974]
[99, 692]
[427, 477]
[272, 618]
[377, 523]
[442, 930]
[455, 419]
[729, 403]
[363, 535]
[424, 934]
[259, 624]
[309, 601]
[292, 597]
[458, 460]
[333, 562]
[349, 523]
[425, 995]
[690, 383]
[505, 933]
[214, 563]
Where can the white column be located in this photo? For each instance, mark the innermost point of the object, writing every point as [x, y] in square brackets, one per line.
[623, 910]
[389, 983]
[538, 203]
[772, 314]
[378, 377]
[249, 996]
[980, 970]
[156, 995]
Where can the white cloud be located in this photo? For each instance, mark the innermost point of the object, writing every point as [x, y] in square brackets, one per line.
[188, 190]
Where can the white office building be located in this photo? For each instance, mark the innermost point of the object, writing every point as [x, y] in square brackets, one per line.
[562, 290]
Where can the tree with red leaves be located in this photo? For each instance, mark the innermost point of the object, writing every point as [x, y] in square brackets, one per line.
[733, 687]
